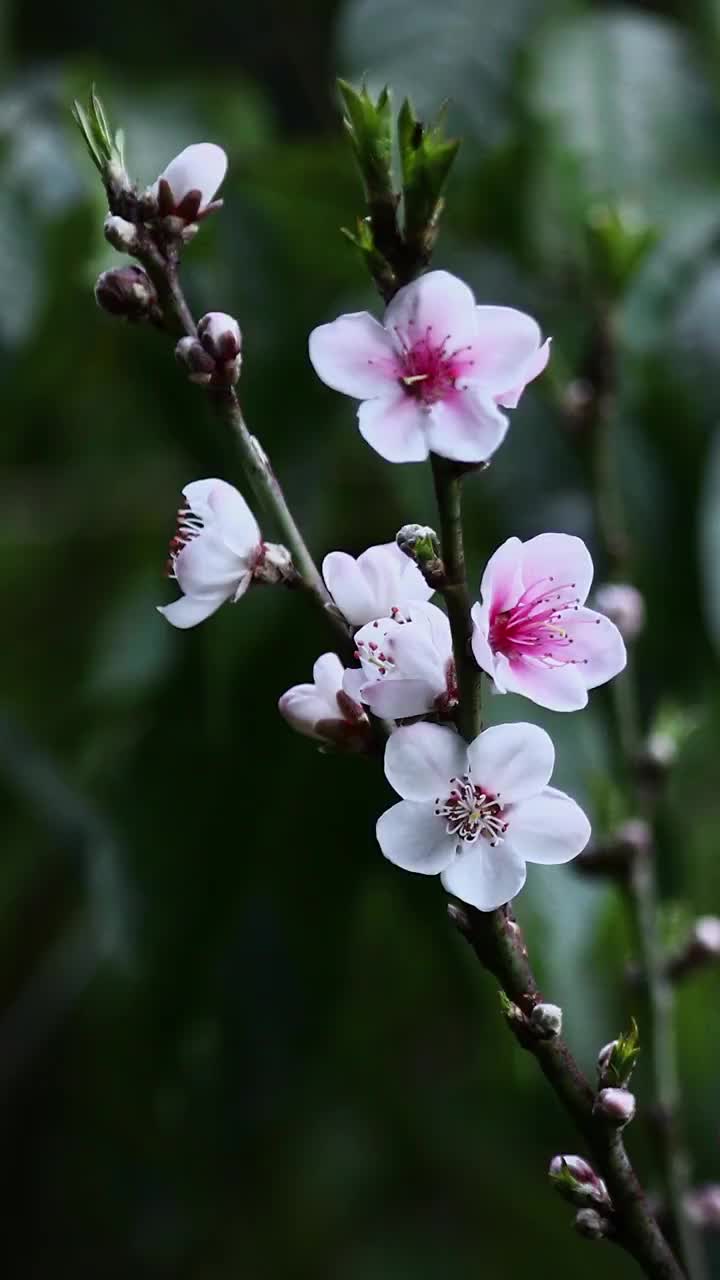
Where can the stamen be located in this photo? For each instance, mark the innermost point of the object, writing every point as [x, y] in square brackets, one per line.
[470, 812]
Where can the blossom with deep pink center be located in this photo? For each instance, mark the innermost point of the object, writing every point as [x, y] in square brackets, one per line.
[435, 375]
[532, 632]
[214, 553]
[323, 710]
[381, 579]
[186, 187]
[475, 815]
[406, 664]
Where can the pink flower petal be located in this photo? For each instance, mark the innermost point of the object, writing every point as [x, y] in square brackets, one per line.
[437, 305]
[395, 427]
[355, 355]
[485, 877]
[420, 760]
[512, 761]
[557, 688]
[502, 582]
[597, 645]
[507, 341]
[549, 828]
[533, 368]
[563, 558]
[411, 836]
[466, 426]
[200, 167]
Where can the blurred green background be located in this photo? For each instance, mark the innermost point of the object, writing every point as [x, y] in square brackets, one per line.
[233, 1040]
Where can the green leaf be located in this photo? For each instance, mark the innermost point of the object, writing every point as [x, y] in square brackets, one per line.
[426, 157]
[369, 127]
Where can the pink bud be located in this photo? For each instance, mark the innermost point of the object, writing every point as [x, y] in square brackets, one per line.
[702, 1205]
[575, 1179]
[706, 934]
[623, 605]
[616, 1106]
[604, 1056]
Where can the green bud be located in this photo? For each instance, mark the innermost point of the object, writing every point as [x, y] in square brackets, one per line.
[106, 149]
[617, 1060]
[369, 127]
[426, 157]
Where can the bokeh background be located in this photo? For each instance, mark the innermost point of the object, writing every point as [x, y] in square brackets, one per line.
[233, 1040]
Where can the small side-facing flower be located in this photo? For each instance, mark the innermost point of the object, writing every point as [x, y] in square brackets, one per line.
[623, 605]
[323, 710]
[186, 187]
[381, 579]
[214, 552]
[434, 374]
[532, 632]
[406, 664]
[476, 814]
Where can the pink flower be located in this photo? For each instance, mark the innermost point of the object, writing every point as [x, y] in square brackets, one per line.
[323, 709]
[532, 633]
[382, 578]
[406, 664]
[432, 376]
[476, 814]
[214, 553]
[186, 187]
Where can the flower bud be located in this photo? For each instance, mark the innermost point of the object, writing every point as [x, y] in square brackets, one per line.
[219, 336]
[701, 948]
[702, 1205]
[616, 1061]
[546, 1021]
[420, 543]
[324, 711]
[577, 1181]
[122, 235]
[623, 605]
[617, 1106]
[605, 1055]
[200, 366]
[126, 291]
[706, 935]
[592, 1225]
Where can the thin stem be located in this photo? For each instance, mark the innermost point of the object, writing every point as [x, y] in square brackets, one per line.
[496, 938]
[448, 492]
[642, 890]
[163, 271]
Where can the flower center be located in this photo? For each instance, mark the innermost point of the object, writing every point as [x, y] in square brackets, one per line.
[470, 811]
[428, 371]
[535, 625]
[188, 527]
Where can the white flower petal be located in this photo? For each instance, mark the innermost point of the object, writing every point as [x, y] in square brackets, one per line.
[597, 645]
[512, 761]
[235, 520]
[438, 305]
[207, 566]
[200, 167]
[394, 579]
[396, 698]
[466, 426]
[482, 652]
[411, 836]
[549, 828]
[189, 610]
[485, 877]
[349, 588]
[355, 355]
[328, 674]
[420, 760]
[394, 426]
[563, 558]
[534, 367]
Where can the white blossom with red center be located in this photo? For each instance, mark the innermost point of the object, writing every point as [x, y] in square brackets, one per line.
[186, 187]
[435, 374]
[381, 579]
[323, 710]
[406, 664]
[475, 815]
[532, 632]
[214, 552]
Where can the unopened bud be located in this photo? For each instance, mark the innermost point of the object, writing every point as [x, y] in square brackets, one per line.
[623, 605]
[616, 1061]
[126, 291]
[275, 565]
[701, 948]
[617, 1106]
[420, 543]
[220, 337]
[592, 1225]
[122, 235]
[605, 1055]
[200, 366]
[577, 1181]
[546, 1021]
[706, 935]
[702, 1205]
[635, 835]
